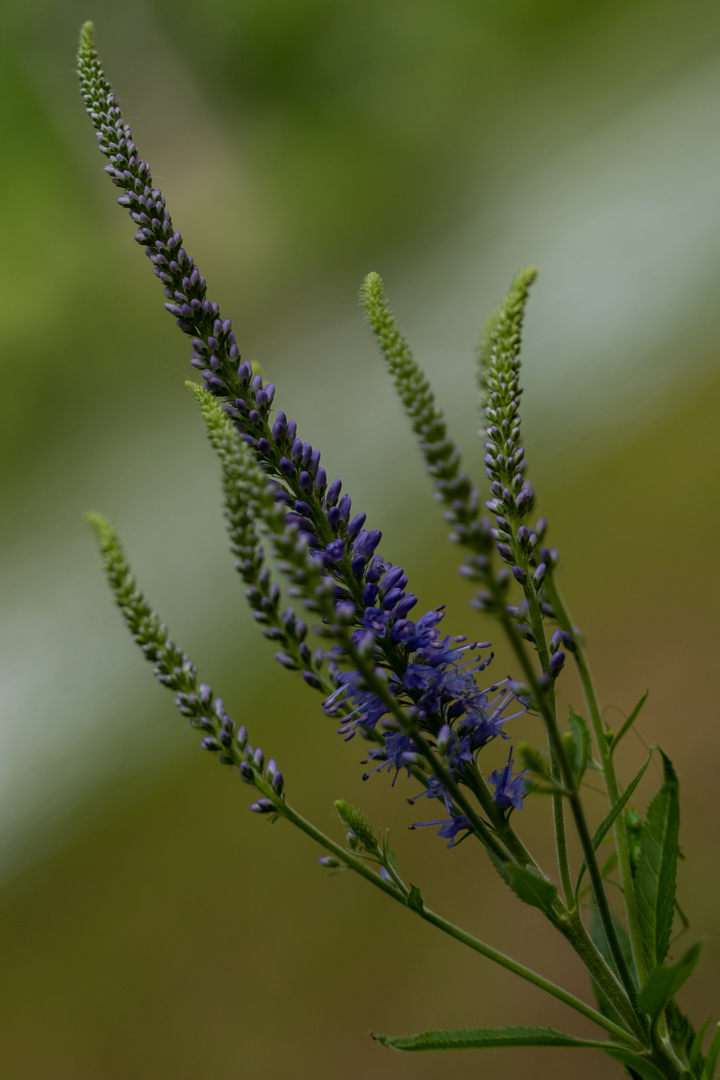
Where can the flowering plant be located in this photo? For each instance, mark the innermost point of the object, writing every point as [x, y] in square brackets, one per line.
[418, 698]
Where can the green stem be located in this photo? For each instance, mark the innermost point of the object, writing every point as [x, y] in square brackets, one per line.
[598, 968]
[536, 623]
[354, 863]
[561, 838]
[577, 810]
[611, 784]
[588, 850]
[529, 975]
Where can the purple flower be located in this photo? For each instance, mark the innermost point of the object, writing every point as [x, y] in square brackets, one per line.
[421, 676]
[450, 827]
[376, 619]
[397, 753]
[336, 550]
[509, 790]
[418, 635]
[366, 709]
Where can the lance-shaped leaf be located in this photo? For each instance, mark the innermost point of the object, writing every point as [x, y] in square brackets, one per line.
[597, 932]
[683, 1035]
[695, 1056]
[629, 722]
[712, 1056]
[636, 1065]
[532, 887]
[665, 980]
[655, 878]
[486, 1038]
[414, 900]
[529, 885]
[608, 821]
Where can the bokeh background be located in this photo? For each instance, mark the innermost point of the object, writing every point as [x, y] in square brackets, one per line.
[149, 925]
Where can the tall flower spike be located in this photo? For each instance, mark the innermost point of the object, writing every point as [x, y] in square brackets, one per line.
[499, 356]
[442, 456]
[326, 553]
[174, 670]
[512, 496]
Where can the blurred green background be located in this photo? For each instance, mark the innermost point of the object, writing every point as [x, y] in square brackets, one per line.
[149, 925]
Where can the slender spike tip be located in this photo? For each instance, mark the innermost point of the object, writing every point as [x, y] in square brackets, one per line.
[442, 457]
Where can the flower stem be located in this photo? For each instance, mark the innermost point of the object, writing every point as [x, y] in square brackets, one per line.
[611, 784]
[558, 750]
[352, 862]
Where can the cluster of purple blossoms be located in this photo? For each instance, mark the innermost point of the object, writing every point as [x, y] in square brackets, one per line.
[432, 679]
[436, 688]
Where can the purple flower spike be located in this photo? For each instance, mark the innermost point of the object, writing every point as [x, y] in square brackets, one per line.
[315, 541]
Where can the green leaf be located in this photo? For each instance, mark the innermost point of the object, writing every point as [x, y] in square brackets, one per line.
[638, 1066]
[665, 980]
[655, 878]
[484, 1038]
[607, 823]
[712, 1056]
[582, 744]
[597, 933]
[695, 1048]
[680, 1031]
[414, 900]
[531, 886]
[629, 722]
